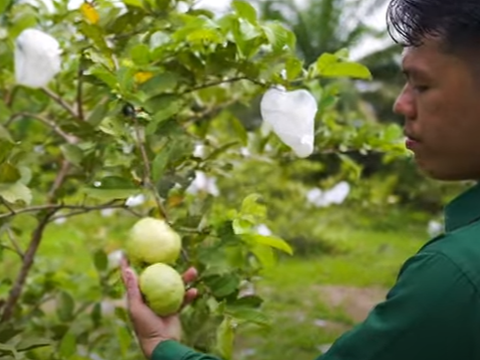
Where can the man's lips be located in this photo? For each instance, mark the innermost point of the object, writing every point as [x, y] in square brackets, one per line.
[411, 141]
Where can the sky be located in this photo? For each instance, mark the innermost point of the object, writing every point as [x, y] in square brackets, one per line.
[376, 19]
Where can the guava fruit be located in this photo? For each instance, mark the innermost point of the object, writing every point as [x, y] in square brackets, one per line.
[163, 289]
[153, 241]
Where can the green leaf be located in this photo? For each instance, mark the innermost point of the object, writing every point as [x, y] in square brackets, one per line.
[159, 164]
[163, 107]
[271, 241]
[72, 153]
[252, 207]
[222, 286]
[105, 76]
[163, 104]
[329, 65]
[124, 339]
[16, 192]
[241, 226]
[250, 315]
[6, 147]
[160, 84]
[112, 187]
[136, 3]
[68, 345]
[65, 306]
[245, 11]
[100, 260]
[33, 343]
[96, 315]
[7, 348]
[5, 135]
[9, 173]
[294, 67]
[239, 129]
[4, 4]
[140, 54]
[225, 339]
[264, 255]
[251, 301]
[279, 36]
[8, 331]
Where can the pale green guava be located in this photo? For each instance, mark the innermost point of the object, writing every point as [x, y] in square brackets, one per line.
[153, 241]
[163, 289]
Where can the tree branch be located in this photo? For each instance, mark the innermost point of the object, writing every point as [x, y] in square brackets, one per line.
[56, 128]
[80, 92]
[147, 176]
[61, 102]
[17, 288]
[35, 241]
[76, 209]
[224, 81]
[57, 183]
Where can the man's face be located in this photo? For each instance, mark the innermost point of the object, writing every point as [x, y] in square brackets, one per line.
[441, 106]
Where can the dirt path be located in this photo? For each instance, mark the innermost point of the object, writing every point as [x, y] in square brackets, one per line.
[356, 302]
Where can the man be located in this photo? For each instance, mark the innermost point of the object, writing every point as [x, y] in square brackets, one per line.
[433, 311]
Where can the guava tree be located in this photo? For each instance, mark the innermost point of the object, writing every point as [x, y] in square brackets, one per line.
[139, 86]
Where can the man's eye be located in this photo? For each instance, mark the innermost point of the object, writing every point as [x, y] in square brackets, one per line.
[421, 89]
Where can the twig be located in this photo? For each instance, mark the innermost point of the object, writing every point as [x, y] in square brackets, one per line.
[80, 91]
[12, 211]
[220, 82]
[78, 209]
[83, 210]
[148, 171]
[57, 183]
[15, 245]
[17, 287]
[56, 128]
[61, 102]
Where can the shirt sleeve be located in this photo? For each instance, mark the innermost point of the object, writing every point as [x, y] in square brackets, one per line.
[426, 315]
[173, 350]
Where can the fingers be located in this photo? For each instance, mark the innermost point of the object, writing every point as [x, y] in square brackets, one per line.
[131, 283]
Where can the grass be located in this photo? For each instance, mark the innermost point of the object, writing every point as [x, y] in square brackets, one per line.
[370, 257]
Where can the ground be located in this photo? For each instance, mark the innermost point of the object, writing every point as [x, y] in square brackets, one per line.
[312, 301]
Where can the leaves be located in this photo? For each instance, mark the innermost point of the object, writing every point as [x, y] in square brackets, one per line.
[245, 11]
[330, 65]
[225, 338]
[100, 260]
[65, 306]
[16, 192]
[111, 188]
[68, 345]
[270, 241]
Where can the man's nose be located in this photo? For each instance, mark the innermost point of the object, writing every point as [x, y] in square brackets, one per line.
[404, 104]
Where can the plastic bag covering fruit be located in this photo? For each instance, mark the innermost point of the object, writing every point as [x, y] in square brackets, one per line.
[37, 58]
[163, 289]
[292, 117]
[153, 241]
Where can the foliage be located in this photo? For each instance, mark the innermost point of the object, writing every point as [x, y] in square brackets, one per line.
[142, 84]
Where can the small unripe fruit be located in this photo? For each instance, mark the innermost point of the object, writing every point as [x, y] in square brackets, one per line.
[163, 289]
[153, 241]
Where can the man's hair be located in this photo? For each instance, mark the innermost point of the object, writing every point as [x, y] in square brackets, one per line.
[455, 22]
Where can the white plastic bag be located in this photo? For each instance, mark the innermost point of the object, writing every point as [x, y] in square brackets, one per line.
[292, 117]
[37, 58]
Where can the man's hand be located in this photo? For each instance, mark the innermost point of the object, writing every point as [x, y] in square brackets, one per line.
[150, 328]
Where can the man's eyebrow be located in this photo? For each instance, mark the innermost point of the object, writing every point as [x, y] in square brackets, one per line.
[413, 71]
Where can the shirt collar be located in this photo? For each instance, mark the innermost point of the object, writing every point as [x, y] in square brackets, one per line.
[463, 210]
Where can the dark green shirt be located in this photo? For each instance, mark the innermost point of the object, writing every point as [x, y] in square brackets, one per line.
[432, 312]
